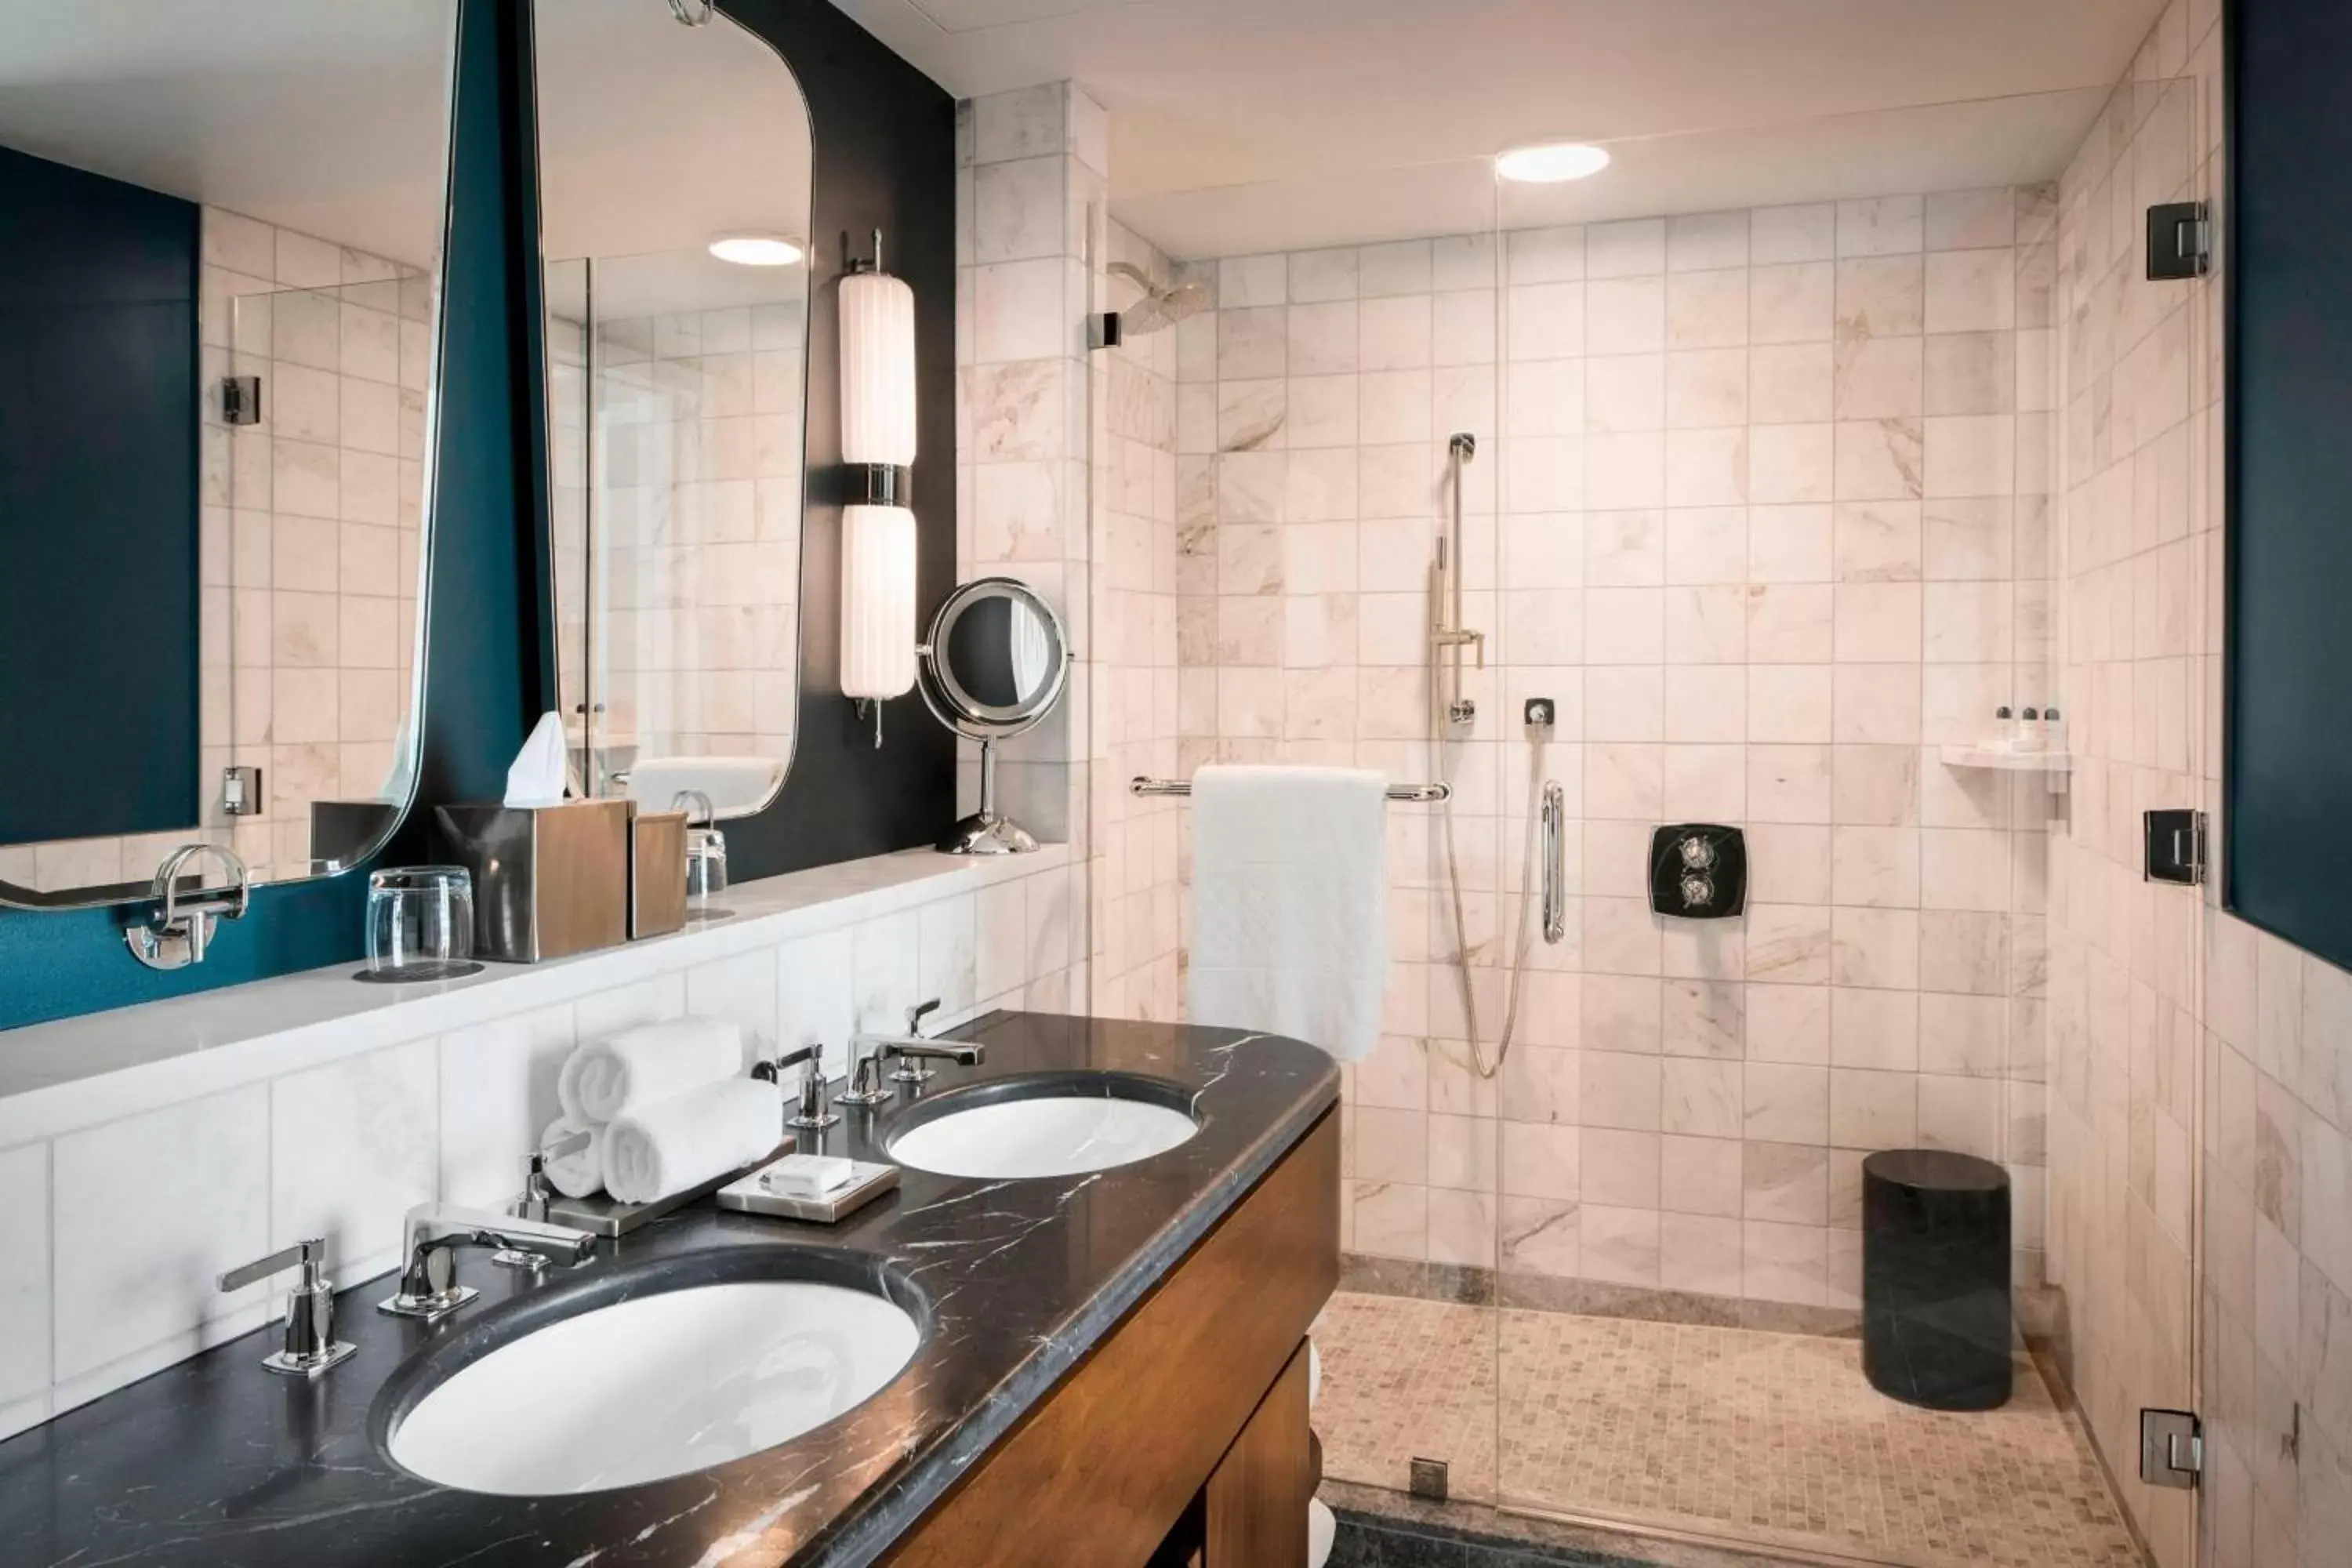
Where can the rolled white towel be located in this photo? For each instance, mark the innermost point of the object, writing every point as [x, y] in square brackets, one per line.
[676, 1143]
[1322, 1530]
[580, 1175]
[1314, 1374]
[652, 1061]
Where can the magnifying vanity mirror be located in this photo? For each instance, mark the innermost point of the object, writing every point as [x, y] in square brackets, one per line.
[674, 158]
[994, 666]
[219, 319]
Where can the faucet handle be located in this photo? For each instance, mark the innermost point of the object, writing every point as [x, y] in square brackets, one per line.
[814, 1111]
[537, 1194]
[311, 1345]
[917, 1012]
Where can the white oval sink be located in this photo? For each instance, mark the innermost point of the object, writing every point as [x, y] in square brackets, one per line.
[1042, 1135]
[655, 1386]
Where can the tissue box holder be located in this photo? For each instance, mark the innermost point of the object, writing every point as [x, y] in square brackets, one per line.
[549, 880]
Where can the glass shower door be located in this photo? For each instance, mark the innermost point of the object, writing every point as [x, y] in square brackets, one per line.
[1809, 490]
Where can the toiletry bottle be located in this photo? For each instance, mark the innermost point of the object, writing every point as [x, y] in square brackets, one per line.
[2053, 730]
[2029, 731]
[2004, 738]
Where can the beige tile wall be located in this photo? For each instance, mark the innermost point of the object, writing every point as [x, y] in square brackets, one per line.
[1136, 892]
[1751, 496]
[1034, 461]
[2202, 1070]
[698, 429]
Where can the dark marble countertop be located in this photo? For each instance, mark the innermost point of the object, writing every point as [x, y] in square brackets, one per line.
[217, 1462]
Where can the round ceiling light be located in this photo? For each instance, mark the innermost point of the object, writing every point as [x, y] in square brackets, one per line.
[755, 249]
[1552, 162]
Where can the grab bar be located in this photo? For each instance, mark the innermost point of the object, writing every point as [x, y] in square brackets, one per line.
[1422, 793]
[1555, 872]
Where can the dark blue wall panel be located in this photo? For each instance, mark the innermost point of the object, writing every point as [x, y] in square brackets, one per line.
[97, 505]
[2288, 859]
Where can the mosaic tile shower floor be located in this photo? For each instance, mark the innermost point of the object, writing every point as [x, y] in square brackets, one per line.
[1767, 1438]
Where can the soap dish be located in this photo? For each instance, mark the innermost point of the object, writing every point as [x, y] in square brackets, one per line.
[867, 1182]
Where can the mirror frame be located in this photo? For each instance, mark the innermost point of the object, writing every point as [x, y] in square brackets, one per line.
[108, 895]
[956, 708]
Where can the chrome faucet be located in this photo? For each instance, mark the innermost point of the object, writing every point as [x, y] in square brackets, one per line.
[867, 1053]
[815, 1113]
[311, 1346]
[432, 1236]
[537, 1194]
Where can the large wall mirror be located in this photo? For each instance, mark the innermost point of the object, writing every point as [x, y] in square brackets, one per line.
[673, 187]
[219, 313]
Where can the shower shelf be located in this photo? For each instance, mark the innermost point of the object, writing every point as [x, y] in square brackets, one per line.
[2055, 766]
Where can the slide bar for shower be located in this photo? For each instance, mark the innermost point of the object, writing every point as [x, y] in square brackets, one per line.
[1421, 793]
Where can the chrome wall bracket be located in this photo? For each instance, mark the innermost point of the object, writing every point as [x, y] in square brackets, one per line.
[180, 932]
[877, 484]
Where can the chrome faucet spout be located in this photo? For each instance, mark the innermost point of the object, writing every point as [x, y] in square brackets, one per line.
[432, 1234]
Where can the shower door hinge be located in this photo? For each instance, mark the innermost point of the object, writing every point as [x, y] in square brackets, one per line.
[2179, 242]
[241, 791]
[240, 400]
[2171, 1448]
[2174, 842]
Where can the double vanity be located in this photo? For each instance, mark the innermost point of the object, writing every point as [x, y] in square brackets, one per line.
[1085, 1346]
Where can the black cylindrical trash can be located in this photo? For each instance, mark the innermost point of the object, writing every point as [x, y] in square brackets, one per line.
[1935, 1279]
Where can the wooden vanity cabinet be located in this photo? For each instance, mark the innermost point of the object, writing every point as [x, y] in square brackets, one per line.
[1182, 1438]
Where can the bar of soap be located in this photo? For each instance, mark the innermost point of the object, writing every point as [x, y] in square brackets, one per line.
[807, 1176]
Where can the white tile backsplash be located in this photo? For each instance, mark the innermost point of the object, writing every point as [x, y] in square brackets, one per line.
[352, 1147]
[24, 1369]
[153, 1208]
[175, 1141]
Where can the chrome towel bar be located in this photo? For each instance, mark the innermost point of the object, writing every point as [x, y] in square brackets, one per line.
[1421, 794]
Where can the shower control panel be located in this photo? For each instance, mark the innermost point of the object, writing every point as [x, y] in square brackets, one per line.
[1699, 871]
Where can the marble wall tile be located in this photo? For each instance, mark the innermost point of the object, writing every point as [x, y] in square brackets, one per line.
[352, 1147]
[1737, 523]
[153, 1285]
[25, 1369]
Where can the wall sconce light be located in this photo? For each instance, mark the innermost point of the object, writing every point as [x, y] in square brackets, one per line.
[877, 448]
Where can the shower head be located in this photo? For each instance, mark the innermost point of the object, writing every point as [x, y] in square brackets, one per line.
[1159, 307]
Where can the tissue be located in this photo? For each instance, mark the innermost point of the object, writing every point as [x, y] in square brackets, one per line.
[536, 776]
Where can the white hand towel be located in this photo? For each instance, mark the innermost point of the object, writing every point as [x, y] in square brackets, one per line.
[652, 1061]
[688, 1139]
[1291, 925]
[580, 1175]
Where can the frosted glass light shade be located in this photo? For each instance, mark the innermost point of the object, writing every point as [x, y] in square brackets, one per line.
[878, 601]
[877, 369]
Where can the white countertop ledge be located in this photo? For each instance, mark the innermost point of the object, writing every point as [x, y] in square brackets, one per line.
[77, 1072]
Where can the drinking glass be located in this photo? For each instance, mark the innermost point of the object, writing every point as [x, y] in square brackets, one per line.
[420, 924]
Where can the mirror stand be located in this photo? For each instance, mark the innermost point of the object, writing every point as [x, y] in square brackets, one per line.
[994, 667]
[984, 832]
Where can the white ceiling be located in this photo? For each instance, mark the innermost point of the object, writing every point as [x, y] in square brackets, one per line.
[1262, 124]
[327, 116]
[656, 138]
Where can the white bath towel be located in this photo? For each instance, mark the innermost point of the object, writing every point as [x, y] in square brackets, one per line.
[676, 1143]
[1290, 926]
[580, 1175]
[652, 1061]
